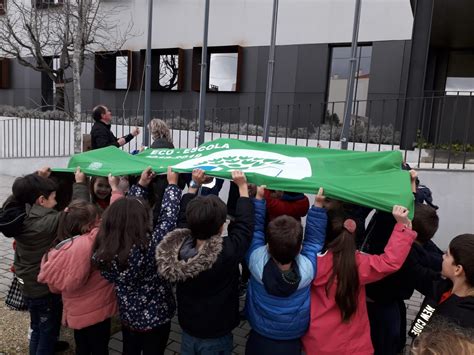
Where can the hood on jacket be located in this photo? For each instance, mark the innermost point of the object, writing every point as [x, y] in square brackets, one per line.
[175, 269]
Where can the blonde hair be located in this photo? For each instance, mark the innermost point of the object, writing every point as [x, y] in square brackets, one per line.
[444, 338]
[159, 129]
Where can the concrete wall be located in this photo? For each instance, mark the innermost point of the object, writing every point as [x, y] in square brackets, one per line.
[452, 192]
[179, 23]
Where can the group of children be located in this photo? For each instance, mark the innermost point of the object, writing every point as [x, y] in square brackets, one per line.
[105, 254]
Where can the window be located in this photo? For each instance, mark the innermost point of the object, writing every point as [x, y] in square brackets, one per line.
[224, 67]
[339, 77]
[121, 72]
[460, 73]
[56, 64]
[3, 7]
[167, 68]
[113, 70]
[43, 4]
[459, 86]
[4, 73]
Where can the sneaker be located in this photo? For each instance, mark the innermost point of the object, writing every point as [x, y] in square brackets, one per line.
[61, 346]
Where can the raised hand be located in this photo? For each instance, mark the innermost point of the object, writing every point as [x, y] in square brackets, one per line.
[79, 176]
[172, 176]
[199, 177]
[114, 182]
[400, 214]
[135, 132]
[44, 171]
[146, 177]
[124, 184]
[413, 176]
[239, 178]
[241, 181]
[320, 198]
[260, 192]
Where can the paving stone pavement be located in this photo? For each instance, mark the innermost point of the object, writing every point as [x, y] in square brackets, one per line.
[174, 343]
[6, 251]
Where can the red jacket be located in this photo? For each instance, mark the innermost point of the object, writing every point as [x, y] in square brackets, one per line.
[278, 207]
[327, 334]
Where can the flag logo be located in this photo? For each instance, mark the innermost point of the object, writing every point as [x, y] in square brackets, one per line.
[254, 161]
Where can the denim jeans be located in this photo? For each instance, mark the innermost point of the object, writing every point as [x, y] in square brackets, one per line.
[45, 323]
[213, 346]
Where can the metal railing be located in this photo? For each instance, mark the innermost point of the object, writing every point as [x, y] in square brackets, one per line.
[444, 136]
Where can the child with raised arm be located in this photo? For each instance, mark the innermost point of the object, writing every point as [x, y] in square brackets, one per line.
[282, 266]
[124, 251]
[89, 300]
[205, 266]
[339, 322]
[33, 240]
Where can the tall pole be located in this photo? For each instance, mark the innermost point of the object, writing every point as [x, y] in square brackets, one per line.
[203, 89]
[147, 113]
[352, 73]
[270, 69]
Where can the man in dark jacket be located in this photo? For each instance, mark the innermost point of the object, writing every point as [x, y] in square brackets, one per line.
[205, 265]
[101, 135]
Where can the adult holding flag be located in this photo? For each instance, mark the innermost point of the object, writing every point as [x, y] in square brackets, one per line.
[101, 134]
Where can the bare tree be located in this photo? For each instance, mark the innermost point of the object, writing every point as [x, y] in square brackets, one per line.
[67, 30]
[169, 72]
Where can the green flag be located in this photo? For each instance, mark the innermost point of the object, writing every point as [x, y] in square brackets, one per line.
[372, 179]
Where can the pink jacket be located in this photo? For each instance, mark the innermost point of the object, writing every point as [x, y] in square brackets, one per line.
[87, 297]
[327, 334]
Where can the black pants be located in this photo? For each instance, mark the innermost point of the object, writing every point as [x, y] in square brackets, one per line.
[403, 325]
[245, 276]
[151, 342]
[259, 345]
[93, 340]
[384, 327]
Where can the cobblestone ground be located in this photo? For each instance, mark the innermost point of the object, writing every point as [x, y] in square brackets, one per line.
[174, 344]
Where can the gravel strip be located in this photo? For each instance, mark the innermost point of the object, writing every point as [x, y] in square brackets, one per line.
[14, 332]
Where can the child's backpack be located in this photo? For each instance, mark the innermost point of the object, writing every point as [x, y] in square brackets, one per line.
[12, 216]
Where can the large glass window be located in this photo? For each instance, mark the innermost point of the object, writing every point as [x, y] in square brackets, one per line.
[167, 68]
[121, 72]
[168, 72]
[459, 86]
[113, 70]
[460, 74]
[223, 72]
[224, 67]
[339, 78]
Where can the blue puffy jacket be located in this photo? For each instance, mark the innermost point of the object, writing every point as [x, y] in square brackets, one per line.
[283, 318]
